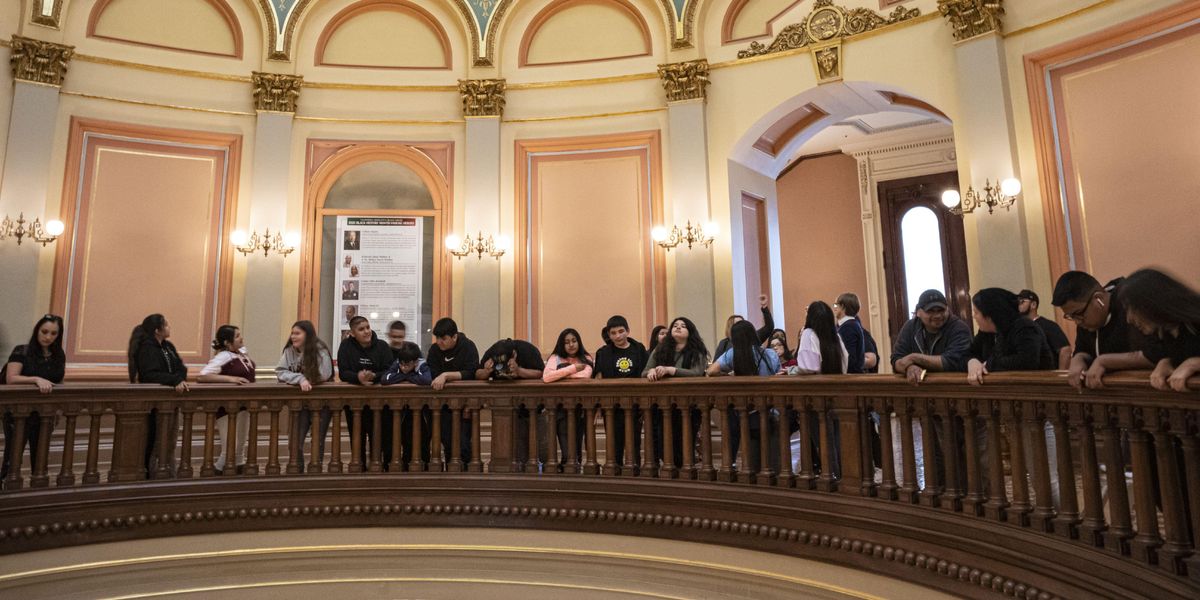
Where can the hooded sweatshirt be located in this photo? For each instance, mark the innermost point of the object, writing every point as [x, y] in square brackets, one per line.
[289, 369]
[352, 358]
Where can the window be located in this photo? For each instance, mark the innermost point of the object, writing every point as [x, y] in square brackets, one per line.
[921, 240]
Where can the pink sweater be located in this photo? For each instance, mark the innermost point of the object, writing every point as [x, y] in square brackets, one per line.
[554, 373]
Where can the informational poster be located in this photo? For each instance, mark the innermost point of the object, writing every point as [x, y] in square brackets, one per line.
[378, 272]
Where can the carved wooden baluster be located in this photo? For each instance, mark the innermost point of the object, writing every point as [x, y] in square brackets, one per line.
[397, 463]
[16, 457]
[728, 472]
[887, 487]
[375, 464]
[273, 440]
[1120, 528]
[974, 500]
[766, 475]
[415, 464]
[590, 466]
[356, 440]
[231, 437]
[39, 475]
[952, 493]
[1092, 526]
[647, 469]
[66, 474]
[1145, 544]
[1066, 523]
[1018, 511]
[667, 470]
[707, 471]
[744, 473]
[826, 481]
[457, 461]
[252, 440]
[438, 460]
[610, 440]
[931, 495]
[335, 442]
[91, 472]
[1178, 544]
[909, 491]
[996, 506]
[787, 475]
[1191, 468]
[553, 460]
[166, 427]
[531, 459]
[864, 425]
[476, 412]
[185, 451]
[1042, 517]
[628, 466]
[207, 468]
[295, 442]
[687, 470]
[571, 464]
[806, 480]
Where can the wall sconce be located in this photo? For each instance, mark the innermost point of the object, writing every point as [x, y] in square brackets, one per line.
[1001, 195]
[494, 247]
[35, 232]
[281, 244]
[691, 234]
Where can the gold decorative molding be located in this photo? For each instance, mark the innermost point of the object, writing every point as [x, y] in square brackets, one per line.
[971, 18]
[36, 61]
[276, 92]
[50, 20]
[685, 80]
[826, 23]
[215, 111]
[827, 60]
[482, 97]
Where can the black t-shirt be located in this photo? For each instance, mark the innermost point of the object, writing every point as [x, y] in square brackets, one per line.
[1116, 336]
[620, 363]
[1177, 348]
[1055, 336]
[46, 367]
[528, 356]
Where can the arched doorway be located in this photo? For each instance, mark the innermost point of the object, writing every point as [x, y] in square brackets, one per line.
[373, 180]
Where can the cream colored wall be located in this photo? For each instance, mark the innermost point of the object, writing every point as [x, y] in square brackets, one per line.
[385, 38]
[187, 24]
[589, 31]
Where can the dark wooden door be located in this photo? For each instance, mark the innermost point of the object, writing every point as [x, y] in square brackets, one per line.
[911, 197]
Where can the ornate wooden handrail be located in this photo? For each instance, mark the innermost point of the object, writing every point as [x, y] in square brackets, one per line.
[1024, 457]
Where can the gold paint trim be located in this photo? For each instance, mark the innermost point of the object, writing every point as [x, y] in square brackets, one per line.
[381, 121]
[540, 85]
[441, 547]
[157, 105]
[113, 62]
[582, 117]
[369, 87]
[1058, 19]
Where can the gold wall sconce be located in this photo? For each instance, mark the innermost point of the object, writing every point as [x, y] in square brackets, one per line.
[1001, 195]
[494, 247]
[266, 242]
[690, 234]
[35, 231]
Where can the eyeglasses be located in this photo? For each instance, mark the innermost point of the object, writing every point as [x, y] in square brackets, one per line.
[1077, 316]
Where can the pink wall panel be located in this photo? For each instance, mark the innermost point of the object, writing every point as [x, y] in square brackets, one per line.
[820, 233]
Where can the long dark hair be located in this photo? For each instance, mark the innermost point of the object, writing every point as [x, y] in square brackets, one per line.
[141, 333]
[310, 353]
[560, 347]
[34, 348]
[999, 305]
[1161, 299]
[654, 337]
[747, 353]
[224, 337]
[694, 352]
[820, 320]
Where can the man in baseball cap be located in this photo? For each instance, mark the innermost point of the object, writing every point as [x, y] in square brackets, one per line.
[934, 340]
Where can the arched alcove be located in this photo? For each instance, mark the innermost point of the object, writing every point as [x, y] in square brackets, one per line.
[198, 26]
[384, 34]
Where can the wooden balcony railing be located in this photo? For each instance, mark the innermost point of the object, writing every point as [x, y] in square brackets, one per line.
[1022, 486]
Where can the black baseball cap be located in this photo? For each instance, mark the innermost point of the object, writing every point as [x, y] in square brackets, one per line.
[1028, 295]
[931, 299]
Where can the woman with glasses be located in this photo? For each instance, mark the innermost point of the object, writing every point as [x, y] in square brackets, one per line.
[40, 362]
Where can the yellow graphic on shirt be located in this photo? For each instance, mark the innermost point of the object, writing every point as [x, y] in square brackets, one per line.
[624, 365]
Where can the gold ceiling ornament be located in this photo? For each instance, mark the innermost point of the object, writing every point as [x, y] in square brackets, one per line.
[276, 92]
[827, 60]
[686, 80]
[39, 62]
[971, 18]
[826, 23]
[482, 97]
